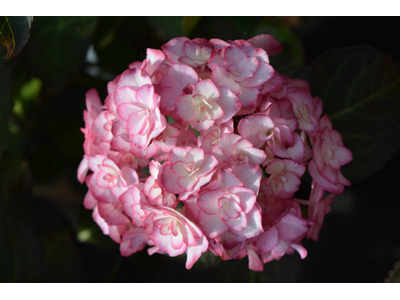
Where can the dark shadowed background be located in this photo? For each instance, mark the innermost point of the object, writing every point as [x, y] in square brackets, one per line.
[46, 235]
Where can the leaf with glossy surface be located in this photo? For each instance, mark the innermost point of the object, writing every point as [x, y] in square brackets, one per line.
[360, 90]
[14, 33]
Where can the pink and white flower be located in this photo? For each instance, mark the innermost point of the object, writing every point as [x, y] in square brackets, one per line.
[241, 68]
[134, 240]
[207, 105]
[186, 171]
[173, 233]
[138, 118]
[179, 81]
[284, 179]
[284, 237]
[329, 155]
[226, 209]
[96, 141]
[233, 149]
[194, 52]
[229, 112]
[317, 209]
[109, 181]
[210, 138]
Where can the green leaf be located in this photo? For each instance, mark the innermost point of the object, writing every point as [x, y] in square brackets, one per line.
[360, 90]
[57, 47]
[14, 33]
[292, 55]
[189, 23]
[167, 27]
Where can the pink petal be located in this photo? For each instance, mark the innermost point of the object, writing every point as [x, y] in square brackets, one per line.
[133, 78]
[229, 103]
[266, 42]
[255, 262]
[250, 174]
[174, 49]
[263, 73]
[93, 103]
[254, 226]
[194, 252]
[187, 183]
[325, 184]
[300, 249]
[207, 88]
[212, 226]
[172, 85]
[247, 197]
[177, 241]
[169, 180]
[208, 201]
[256, 156]
[267, 240]
[153, 59]
[207, 165]
[185, 108]
[112, 213]
[177, 154]
[344, 155]
[83, 169]
[227, 180]
[221, 78]
[251, 127]
[291, 227]
[248, 97]
[133, 240]
[237, 224]
[89, 202]
[178, 168]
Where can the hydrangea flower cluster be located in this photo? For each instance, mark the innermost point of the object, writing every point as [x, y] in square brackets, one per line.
[201, 147]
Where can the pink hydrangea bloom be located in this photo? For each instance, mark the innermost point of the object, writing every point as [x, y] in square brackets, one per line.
[93, 131]
[134, 240]
[194, 184]
[156, 195]
[318, 208]
[284, 179]
[194, 53]
[243, 69]
[226, 209]
[233, 149]
[108, 181]
[282, 238]
[138, 117]
[206, 105]
[178, 82]
[174, 234]
[210, 138]
[329, 155]
[186, 171]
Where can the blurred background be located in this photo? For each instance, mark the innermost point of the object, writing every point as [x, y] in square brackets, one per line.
[46, 235]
